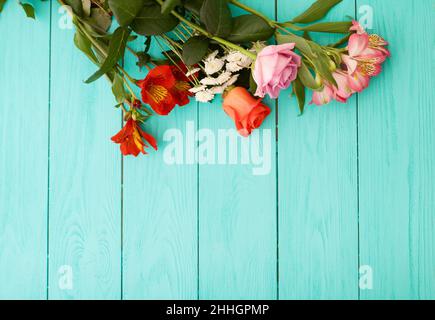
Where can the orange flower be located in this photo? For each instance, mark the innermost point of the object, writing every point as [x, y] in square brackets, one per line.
[247, 112]
[131, 138]
[164, 87]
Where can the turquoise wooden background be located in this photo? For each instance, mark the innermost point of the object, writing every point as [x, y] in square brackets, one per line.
[351, 185]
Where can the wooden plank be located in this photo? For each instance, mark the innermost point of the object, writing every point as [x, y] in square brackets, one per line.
[237, 211]
[397, 144]
[318, 227]
[160, 210]
[23, 158]
[85, 177]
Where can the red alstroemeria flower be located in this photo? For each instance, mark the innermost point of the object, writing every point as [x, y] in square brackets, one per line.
[180, 90]
[156, 89]
[132, 139]
[164, 87]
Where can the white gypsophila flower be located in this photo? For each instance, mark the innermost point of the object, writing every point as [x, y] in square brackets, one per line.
[212, 66]
[233, 67]
[234, 56]
[212, 55]
[221, 89]
[217, 89]
[197, 89]
[204, 96]
[209, 81]
[232, 81]
[245, 62]
[258, 46]
[192, 72]
[223, 77]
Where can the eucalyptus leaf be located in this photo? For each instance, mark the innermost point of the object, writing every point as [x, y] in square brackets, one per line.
[150, 21]
[194, 50]
[317, 11]
[216, 16]
[115, 52]
[248, 28]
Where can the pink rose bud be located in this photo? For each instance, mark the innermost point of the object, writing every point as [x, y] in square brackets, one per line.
[275, 69]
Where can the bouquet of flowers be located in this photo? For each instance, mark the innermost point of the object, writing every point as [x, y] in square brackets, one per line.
[207, 52]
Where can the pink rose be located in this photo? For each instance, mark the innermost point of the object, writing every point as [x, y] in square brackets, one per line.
[275, 69]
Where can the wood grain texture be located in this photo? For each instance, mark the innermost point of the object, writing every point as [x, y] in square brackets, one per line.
[396, 147]
[85, 176]
[139, 228]
[23, 152]
[237, 215]
[318, 227]
[160, 211]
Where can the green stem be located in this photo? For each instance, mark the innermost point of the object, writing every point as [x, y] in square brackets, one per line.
[209, 35]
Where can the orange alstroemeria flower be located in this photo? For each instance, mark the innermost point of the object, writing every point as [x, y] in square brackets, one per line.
[132, 139]
[164, 87]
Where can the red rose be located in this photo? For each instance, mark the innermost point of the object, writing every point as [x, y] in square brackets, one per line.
[247, 112]
[132, 139]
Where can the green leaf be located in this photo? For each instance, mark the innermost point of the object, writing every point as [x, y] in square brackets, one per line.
[169, 5]
[28, 9]
[313, 52]
[249, 28]
[317, 11]
[2, 3]
[99, 20]
[193, 6]
[340, 42]
[252, 84]
[302, 44]
[115, 52]
[125, 11]
[85, 45]
[150, 21]
[307, 78]
[76, 5]
[142, 59]
[216, 16]
[194, 50]
[330, 27]
[86, 5]
[299, 91]
[119, 90]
